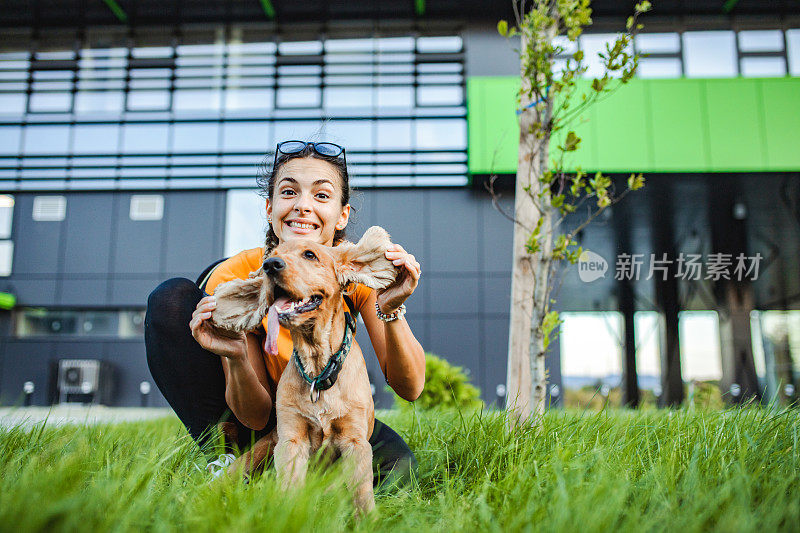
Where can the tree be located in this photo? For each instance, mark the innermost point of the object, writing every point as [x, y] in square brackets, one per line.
[549, 101]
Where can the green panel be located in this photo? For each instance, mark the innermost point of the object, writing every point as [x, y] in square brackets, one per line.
[735, 138]
[781, 101]
[585, 126]
[492, 124]
[680, 141]
[675, 125]
[622, 136]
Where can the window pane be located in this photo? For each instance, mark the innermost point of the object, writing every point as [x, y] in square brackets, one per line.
[394, 135]
[246, 137]
[6, 257]
[12, 103]
[659, 67]
[793, 51]
[185, 100]
[593, 44]
[299, 97]
[700, 351]
[754, 67]
[440, 95]
[301, 48]
[709, 54]
[145, 138]
[148, 100]
[658, 43]
[46, 140]
[196, 137]
[352, 134]
[439, 44]
[442, 134]
[51, 102]
[9, 139]
[338, 97]
[35, 322]
[100, 101]
[6, 215]
[761, 41]
[91, 139]
[249, 99]
[395, 96]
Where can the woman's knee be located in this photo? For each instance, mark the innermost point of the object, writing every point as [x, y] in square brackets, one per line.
[170, 302]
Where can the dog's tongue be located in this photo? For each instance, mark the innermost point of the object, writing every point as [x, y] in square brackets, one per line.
[273, 327]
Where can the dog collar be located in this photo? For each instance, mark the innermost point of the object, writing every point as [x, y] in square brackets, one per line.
[327, 377]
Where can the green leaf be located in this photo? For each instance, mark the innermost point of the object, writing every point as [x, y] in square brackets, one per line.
[502, 28]
[635, 182]
[571, 142]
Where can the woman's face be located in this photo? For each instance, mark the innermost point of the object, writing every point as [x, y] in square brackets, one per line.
[307, 201]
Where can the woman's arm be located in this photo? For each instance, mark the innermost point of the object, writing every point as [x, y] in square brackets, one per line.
[399, 353]
[246, 382]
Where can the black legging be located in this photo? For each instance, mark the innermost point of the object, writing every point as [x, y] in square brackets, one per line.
[192, 381]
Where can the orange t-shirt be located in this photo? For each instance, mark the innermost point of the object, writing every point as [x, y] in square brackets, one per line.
[240, 266]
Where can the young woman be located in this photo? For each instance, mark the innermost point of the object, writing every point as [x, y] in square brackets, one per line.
[205, 377]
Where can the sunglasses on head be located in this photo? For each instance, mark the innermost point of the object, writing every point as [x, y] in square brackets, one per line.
[323, 149]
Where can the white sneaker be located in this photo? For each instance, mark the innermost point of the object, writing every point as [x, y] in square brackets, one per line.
[216, 468]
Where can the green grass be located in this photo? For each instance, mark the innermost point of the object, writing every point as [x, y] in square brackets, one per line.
[686, 470]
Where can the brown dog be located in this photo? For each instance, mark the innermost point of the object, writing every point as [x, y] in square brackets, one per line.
[323, 397]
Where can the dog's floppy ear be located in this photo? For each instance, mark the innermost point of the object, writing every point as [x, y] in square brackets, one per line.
[365, 262]
[241, 303]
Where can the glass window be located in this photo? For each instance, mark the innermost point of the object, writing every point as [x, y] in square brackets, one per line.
[300, 48]
[709, 54]
[439, 44]
[339, 97]
[9, 139]
[349, 45]
[6, 257]
[395, 44]
[6, 215]
[98, 323]
[46, 140]
[352, 134]
[658, 43]
[193, 100]
[99, 102]
[152, 51]
[286, 130]
[762, 67]
[131, 324]
[793, 51]
[569, 47]
[700, 352]
[148, 100]
[95, 139]
[761, 41]
[593, 44]
[442, 134]
[12, 103]
[38, 322]
[249, 99]
[247, 137]
[394, 135]
[590, 347]
[659, 67]
[196, 137]
[145, 138]
[440, 95]
[50, 102]
[299, 97]
[395, 97]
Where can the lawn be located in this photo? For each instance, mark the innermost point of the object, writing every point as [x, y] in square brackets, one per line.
[685, 470]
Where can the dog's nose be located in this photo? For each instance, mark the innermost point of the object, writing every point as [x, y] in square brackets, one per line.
[273, 265]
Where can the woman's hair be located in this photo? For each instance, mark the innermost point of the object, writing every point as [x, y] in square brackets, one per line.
[266, 182]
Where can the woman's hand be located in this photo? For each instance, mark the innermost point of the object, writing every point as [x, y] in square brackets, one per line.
[393, 296]
[208, 338]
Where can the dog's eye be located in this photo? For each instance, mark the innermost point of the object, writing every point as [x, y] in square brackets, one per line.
[308, 254]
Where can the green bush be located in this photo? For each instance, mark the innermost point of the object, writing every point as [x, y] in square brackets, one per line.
[446, 387]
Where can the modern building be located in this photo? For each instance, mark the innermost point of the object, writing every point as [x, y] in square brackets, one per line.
[131, 133]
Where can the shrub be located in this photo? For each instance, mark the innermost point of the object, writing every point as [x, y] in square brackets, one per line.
[446, 387]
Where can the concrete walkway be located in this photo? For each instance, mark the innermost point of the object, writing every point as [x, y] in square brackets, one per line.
[78, 414]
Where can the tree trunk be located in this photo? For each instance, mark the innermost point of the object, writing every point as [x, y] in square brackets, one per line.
[526, 379]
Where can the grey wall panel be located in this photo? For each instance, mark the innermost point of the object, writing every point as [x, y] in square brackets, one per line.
[132, 292]
[130, 369]
[78, 350]
[192, 222]
[383, 398]
[137, 243]
[498, 234]
[458, 341]
[453, 231]
[496, 294]
[402, 214]
[83, 292]
[489, 54]
[453, 294]
[87, 239]
[34, 291]
[36, 244]
[495, 356]
[25, 361]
